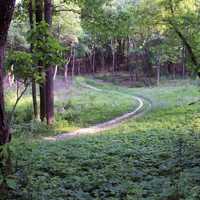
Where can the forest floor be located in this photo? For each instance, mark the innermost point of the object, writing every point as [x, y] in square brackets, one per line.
[76, 106]
[154, 157]
[143, 106]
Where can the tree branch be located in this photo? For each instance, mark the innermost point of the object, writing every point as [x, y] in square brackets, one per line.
[186, 43]
[16, 103]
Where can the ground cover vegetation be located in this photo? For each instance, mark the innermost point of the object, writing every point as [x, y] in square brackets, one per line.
[153, 157]
[66, 65]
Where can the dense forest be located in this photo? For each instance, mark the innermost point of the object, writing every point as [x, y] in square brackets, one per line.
[99, 99]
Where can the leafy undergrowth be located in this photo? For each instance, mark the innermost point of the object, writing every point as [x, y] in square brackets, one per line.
[156, 157]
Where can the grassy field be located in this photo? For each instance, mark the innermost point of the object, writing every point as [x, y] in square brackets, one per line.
[75, 107]
[156, 157]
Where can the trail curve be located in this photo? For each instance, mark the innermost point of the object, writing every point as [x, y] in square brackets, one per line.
[138, 111]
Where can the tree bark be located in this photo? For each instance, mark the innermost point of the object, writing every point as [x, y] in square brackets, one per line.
[158, 75]
[50, 71]
[93, 61]
[39, 18]
[102, 60]
[183, 62]
[73, 61]
[4, 129]
[50, 96]
[38, 11]
[6, 12]
[42, 102]
[34, 98]
[34, 88]
[113, 55]
[67, 64]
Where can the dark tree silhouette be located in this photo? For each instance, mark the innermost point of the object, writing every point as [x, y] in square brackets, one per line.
[6, 12]
[49, 74]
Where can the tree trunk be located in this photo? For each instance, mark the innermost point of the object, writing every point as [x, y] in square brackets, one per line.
[55, 72]
[4, 129]
[93, 60]
[158, 75]
[49, 96]
[49, 73]
[6, 12]
[39, 18]
[73, 62]
[174, 71]
[183, 62]
[102, 60]
[66, 72]
[113, 55]
[67, 64]
[127, 51]
[34, 88]
[79, 68]
[38, 11]
[34, 98]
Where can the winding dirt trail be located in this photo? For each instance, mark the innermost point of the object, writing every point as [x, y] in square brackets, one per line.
[138, 111]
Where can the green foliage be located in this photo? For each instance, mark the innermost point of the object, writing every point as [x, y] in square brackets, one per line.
[147, 159]
[22, 65]
[154, 157]
[166, 52]
[46, 49]
[6, 178]
[17, 35]
[176, 21]
[71, 112]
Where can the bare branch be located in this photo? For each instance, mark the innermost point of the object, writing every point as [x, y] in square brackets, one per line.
[16, 102]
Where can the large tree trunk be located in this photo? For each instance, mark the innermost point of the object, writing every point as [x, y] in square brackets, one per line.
[34, 98]
[39, 18]
[4, 129]
[34, 88]
[42, 102]
[50, 71]
[50, 96]
[38, 11]
[6, 12]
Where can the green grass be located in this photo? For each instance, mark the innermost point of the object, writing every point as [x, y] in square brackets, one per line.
[170, 93]
[155, 157]
[86, 106]
[78, 107]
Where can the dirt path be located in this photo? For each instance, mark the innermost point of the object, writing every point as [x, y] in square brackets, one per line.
[140, 110]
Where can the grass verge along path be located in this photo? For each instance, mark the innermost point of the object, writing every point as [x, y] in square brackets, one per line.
[105, 125]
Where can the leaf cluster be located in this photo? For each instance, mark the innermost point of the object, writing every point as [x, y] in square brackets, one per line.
[46, 49]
